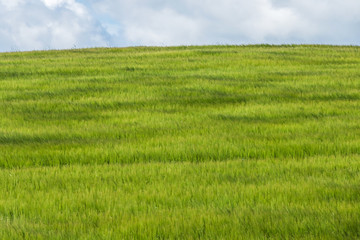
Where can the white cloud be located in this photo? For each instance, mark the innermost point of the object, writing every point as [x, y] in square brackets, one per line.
[158, 22]
[9, 5]
[155, 26]
[53, 3]
[72, 5]
[45, 24]
[42, 24]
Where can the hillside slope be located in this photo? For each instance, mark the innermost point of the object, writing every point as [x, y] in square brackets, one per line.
[181, 142]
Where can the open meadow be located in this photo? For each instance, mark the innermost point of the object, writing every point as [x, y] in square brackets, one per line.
[200, 142]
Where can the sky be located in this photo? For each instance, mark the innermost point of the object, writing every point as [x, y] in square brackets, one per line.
[62, 24]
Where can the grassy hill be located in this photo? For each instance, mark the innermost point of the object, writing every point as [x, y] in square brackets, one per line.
[232, 142]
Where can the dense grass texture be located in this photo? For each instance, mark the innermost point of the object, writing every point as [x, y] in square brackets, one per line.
[201, 142]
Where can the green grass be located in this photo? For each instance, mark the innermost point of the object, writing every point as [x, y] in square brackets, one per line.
[212, 142]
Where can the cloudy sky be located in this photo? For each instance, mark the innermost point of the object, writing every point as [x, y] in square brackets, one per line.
[59, 24]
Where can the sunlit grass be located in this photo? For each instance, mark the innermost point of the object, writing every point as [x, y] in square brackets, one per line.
[242, 199]
[184, 142]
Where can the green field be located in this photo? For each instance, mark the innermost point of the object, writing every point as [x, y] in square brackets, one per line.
[201, 142]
